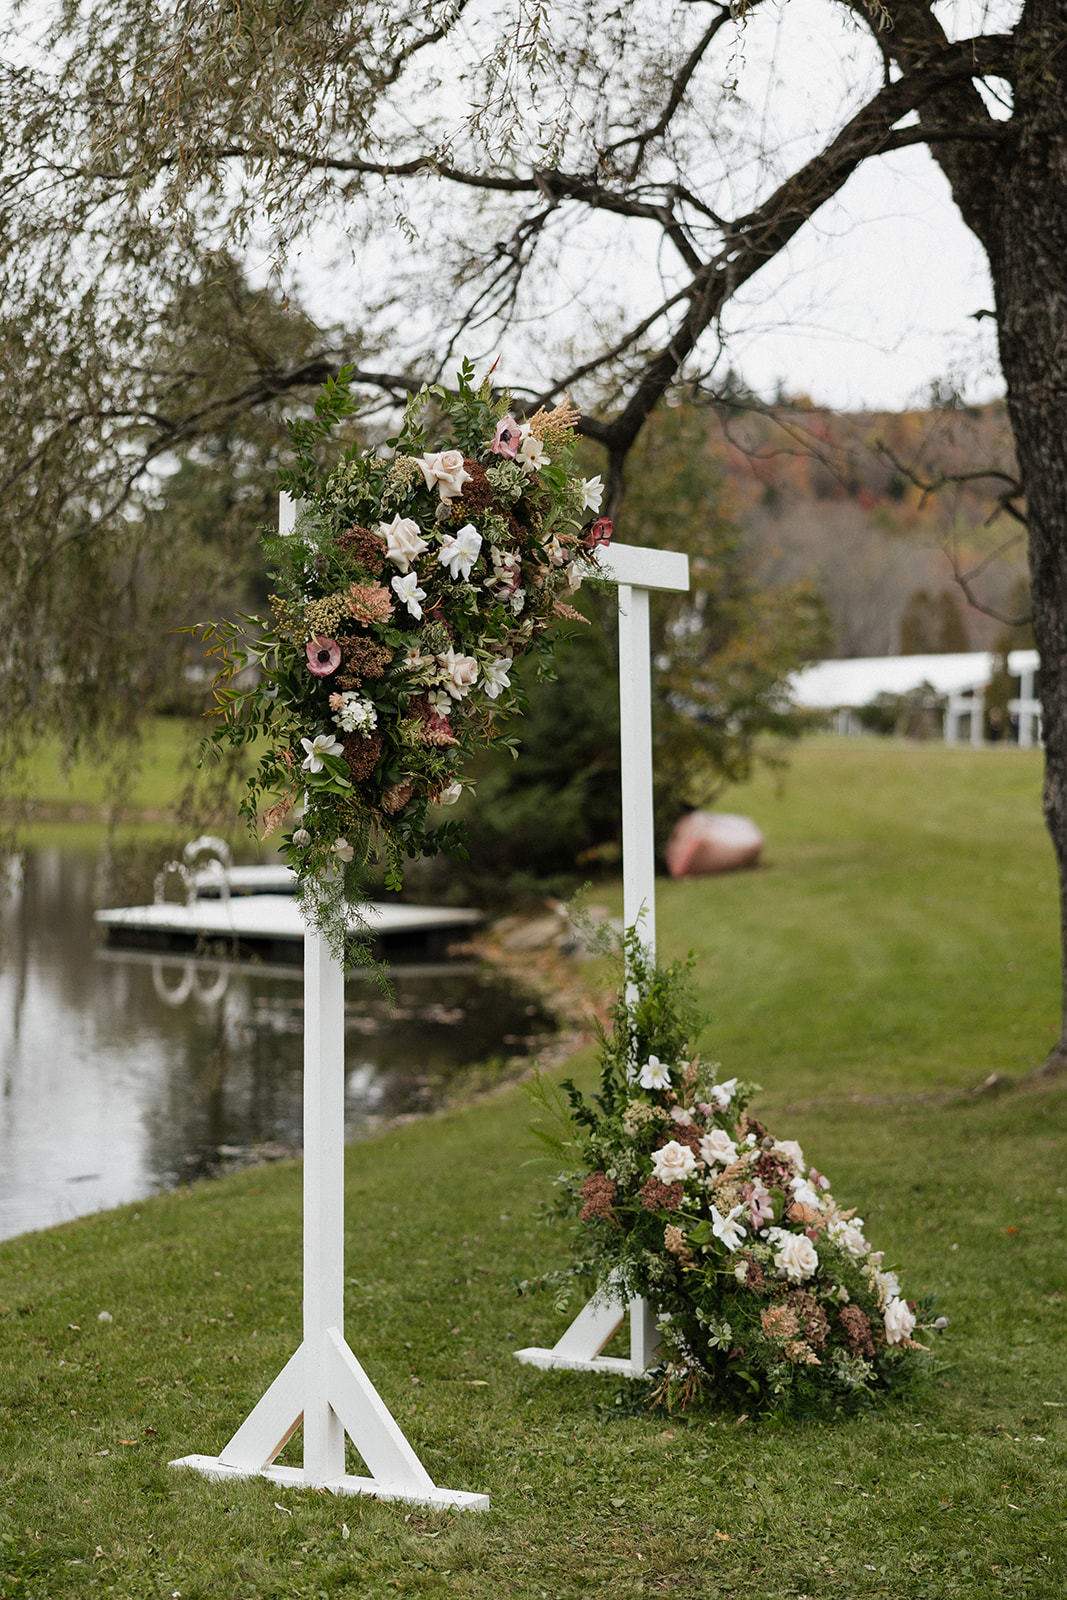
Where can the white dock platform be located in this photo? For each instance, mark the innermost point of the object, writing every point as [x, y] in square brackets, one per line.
[273, 922]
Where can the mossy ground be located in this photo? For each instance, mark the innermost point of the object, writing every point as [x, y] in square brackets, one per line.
[898, 943]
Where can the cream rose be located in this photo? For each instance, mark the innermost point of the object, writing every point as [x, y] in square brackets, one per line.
[718, 1146]
[403, 541]
[673, 1163]
[899, 1321]
[796, 1256]
[445, 469]
[460, 673]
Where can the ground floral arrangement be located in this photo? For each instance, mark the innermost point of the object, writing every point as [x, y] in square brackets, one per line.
[413, 580]
[768, 1291]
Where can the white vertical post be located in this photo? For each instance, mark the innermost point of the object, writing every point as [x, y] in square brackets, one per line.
[322, 1385]
[635, 728]
[324, 1165]
[1026, 717]
[978, 716]
[636, 571]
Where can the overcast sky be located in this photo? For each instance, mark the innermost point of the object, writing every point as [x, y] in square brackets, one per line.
[871, 304]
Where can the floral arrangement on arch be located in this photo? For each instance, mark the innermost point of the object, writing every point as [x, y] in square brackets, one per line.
[417, 573]
[767, 1288]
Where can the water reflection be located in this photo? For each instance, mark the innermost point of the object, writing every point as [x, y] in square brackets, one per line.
[122, 1073]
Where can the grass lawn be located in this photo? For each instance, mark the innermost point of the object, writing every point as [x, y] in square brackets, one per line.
[897, 942]
[167, 756]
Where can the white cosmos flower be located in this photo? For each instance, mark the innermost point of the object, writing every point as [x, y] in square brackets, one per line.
[459, 551]
[343, 850]
[723, 1093]
[727, 1228]
[323, 744]
[654, 1074]
[495, 676]
[409, 594]
[450, 793]
[440, 702]
[592, 493]
[532, 453]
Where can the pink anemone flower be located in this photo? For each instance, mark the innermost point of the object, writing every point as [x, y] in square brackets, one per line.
[506, 439]
[324, 656]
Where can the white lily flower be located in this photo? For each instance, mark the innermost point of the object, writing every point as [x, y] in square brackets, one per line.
[495, 676]
[727, 1228]
[323, 744]
[592, 493]
[654, 1074]
[459, 551]
[409, 594]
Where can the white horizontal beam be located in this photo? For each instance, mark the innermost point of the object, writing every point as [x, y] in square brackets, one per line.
[644, 569]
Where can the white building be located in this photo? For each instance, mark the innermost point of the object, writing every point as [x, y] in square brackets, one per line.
[844, 686]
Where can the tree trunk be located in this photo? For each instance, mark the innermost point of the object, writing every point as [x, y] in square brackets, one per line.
[1013, 195]
[1028, 257]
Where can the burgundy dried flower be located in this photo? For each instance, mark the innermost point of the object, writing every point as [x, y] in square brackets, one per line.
[656, 1196]
[814, 1326]
[857, 1328]
[362, 752]
[775, 1174]
[598, 1192]
[324, 656]
[366, 547]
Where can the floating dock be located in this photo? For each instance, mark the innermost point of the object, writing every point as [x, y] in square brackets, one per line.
[270, 926]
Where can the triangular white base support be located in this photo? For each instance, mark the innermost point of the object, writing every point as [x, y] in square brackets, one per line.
[578, 1350]
[354, 1407]
[323, 1386]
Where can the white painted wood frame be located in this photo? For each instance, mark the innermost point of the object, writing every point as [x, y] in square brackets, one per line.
[636, 571]
[323, 1386]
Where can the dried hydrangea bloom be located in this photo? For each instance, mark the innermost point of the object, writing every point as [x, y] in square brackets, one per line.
[657, 1196]
[803, 1355]
[598, 1193]
[780, 1322]
[364, 546]
[857, 1328]
[369, 602]
[813, 1320]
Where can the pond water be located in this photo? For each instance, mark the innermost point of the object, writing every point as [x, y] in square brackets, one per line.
[123, 1073]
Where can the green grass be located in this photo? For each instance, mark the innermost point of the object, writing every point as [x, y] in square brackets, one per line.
[165, 764]
[877, 864]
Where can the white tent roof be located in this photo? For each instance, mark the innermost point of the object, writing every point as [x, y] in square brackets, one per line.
[830, 685]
